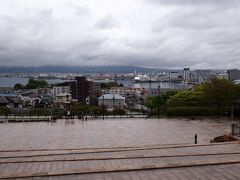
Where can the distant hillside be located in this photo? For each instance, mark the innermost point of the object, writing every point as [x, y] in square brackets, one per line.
[79, 69]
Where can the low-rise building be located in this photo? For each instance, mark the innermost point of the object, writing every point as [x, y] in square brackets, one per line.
[3, 101]
[126, 90]
[6, 90]
[59, 90]
[63, 98]
[45, 100]
[112, 101]
[202, 75]
[9, 100]
[233, 74]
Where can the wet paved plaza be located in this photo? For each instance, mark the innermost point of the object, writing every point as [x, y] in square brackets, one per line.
[130, 149]
[108, 133]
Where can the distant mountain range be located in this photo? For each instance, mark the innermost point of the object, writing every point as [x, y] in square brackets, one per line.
[81, 69]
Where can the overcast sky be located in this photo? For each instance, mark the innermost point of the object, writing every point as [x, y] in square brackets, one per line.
[148, 33]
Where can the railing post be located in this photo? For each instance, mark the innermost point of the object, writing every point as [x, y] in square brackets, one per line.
[195, 139]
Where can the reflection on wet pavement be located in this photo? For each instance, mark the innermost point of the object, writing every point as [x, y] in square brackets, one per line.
[108, 133]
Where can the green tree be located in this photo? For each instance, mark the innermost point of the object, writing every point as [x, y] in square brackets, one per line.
[18, 86]
[39, 111]
[34, 84]
[97, 111]
[219, 92]
[56, 111]
[153, 102]
[185, 99]
[213, 97]
[109, 85]
[165, 96]
[118, 111]
[5, 111]
[80, 109]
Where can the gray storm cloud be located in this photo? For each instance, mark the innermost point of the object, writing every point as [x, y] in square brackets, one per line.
[155, 33]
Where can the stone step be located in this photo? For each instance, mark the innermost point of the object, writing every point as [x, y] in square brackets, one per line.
[118, 160]
[227, 148]
[118, 157]
[34, 153]
[44, 170]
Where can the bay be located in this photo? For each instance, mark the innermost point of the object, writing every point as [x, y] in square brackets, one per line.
[11, 81]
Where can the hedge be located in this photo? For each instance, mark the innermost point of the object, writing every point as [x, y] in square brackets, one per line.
[198, 111]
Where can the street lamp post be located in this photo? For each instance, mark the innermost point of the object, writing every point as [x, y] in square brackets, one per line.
[103, 106]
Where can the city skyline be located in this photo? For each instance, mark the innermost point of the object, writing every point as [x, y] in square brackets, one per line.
[155, 33]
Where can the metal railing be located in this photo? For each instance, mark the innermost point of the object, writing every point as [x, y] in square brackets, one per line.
[12, 118]
[236, 129]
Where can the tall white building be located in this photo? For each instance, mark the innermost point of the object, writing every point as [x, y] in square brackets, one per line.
[186, 75]
[173, 75]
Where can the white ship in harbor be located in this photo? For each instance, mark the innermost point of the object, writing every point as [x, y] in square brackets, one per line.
[142, 78]
[154, 78]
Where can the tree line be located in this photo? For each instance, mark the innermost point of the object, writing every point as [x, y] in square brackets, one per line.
[213, 97]
[32, 84]
[75, 109]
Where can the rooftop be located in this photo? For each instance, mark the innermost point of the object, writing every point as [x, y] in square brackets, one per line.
[8, 95]
[3, 100]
